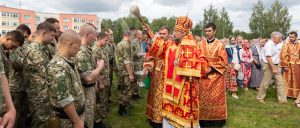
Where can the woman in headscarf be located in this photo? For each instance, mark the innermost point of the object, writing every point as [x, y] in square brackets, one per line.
[233, 64]
[246, 58]
[256, 68]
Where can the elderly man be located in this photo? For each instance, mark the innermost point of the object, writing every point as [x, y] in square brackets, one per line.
[271, 69]
[89, 70]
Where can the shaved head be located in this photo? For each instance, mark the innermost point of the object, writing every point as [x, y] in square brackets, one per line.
[69, 43]
[69, 36]
[86, 29]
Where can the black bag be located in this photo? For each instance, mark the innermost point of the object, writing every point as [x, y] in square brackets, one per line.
[258, 66]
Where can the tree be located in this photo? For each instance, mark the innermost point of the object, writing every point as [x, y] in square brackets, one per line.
[258, 19]
[198, 29]
[163, 21]
[221, 19]
[226, 24]
[263, 22]
[278, 18]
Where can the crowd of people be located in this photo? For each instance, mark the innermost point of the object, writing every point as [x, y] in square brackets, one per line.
[60, 79]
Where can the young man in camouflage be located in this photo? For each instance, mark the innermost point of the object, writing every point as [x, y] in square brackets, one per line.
[102, 91]
[36, 59]
[124, 64]
[16, 83]
[110, 51]
[89, 70]
[138, 59]
[10, 41]
[63, 80]
[53, 45]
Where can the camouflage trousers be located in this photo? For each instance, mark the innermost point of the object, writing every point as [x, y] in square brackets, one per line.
[135, 86]
[126, 90]
[40, 108]
[22, 108]
[40, 116]
[90, 105]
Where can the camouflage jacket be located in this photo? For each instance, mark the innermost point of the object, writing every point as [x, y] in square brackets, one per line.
[85, 62]
[15, 79]
[123, 56]
[64, 84]
[36, 59]
[2, 101]
[99, 53]
[138, 59]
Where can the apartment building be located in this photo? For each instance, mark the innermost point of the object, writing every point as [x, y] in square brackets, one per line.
[10, 18]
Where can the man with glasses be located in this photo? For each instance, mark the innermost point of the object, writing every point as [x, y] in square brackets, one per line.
[290, 62]
[154, 62]
[36, 59]
[10, 41]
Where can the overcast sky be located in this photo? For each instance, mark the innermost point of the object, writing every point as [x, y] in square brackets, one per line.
[239, 10]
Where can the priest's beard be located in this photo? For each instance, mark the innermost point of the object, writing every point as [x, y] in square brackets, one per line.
[177, 41]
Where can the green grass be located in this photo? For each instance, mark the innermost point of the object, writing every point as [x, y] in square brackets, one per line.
[246, 112]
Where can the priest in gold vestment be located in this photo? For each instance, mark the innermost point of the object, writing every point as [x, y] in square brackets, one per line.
[154, 62]
[290, 62]
[184, 65]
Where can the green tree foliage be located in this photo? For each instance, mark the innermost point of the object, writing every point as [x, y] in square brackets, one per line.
[221, 19]
[263, 22]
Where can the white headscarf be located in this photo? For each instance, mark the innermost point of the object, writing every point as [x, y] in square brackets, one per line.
[230, 45]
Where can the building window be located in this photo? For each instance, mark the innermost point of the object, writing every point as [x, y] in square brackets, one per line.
[10, 14]
[4, 32]
[15, 24]
[4, 23]
[79, 20]
[37, 18]
[66, 20]
[76, 20]
[27, 17]
[76, 27]
[66, 27]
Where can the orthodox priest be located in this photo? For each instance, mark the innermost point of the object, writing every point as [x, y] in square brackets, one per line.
[184, 65]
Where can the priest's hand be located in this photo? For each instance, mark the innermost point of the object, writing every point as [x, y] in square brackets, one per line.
[208, 71]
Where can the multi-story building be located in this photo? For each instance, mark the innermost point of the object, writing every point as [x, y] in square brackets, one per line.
[75, 21]
[10, 18]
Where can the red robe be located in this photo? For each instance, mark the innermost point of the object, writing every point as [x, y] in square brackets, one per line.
[183, 61]
[212, 90]
[290, 58]
[155, 62]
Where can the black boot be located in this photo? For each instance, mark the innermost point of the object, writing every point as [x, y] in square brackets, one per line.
[122, 110]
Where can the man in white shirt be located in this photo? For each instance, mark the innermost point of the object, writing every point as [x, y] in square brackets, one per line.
[271, 59]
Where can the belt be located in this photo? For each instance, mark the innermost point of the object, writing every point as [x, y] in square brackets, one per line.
[88, 85]
[62, 115]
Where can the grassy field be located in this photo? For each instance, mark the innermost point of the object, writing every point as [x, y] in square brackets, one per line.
[245, 112]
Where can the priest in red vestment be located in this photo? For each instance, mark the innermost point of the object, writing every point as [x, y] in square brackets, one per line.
[184, 65]
[212, 92]
[154, 62]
